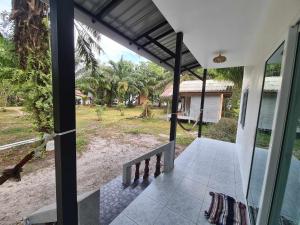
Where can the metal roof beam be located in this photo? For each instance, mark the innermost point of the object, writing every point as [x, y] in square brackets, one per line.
[194, 74]
[193, 67]
[112, 29]
[165, 49]
[159, 36]
[183, 53]
[191, 64]
[108, 8]
[158, 26]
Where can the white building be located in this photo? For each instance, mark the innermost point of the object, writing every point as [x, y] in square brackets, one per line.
[190, 98]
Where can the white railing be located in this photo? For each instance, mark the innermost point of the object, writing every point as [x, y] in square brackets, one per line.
[168, 155]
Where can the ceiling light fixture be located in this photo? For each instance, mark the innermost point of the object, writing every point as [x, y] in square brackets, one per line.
[219, 59]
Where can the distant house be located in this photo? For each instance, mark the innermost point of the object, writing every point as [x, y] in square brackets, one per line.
[190, 98]
[268, 102]
[82, 99]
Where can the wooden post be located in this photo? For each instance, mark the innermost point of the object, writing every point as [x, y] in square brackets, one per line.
[137, 171]
[157, 166]
[146, 170]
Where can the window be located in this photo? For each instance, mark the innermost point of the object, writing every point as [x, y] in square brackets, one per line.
[244, 107]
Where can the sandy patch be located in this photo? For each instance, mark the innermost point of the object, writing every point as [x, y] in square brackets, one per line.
[99, 164]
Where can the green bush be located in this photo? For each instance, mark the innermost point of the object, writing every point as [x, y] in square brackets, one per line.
[99, 110]
[121, 107]
[224, 130]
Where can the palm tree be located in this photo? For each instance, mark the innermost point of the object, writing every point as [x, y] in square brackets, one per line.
[95, 83]
[88, 43]
[31, 39]
[119, 74]
[31, 33]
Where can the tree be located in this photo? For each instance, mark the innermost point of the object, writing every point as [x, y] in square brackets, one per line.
[119, 78]
[234, 74]
[94, 82]
[8, 64]
[31, 39]
[88, 41]
[5, 92]
[154, 79]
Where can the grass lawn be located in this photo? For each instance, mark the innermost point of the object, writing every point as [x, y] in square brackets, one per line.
[112, 122]
[15, 126]
[263, 141]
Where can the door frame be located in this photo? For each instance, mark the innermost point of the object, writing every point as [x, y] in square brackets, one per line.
[278, 126]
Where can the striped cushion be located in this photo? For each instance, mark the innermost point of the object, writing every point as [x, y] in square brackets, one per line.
[225, 210]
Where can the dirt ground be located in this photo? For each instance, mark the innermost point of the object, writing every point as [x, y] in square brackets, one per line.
[99, 164]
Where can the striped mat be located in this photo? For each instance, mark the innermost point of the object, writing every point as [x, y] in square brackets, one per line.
[225, 210]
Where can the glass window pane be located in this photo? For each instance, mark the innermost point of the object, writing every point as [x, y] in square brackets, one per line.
[286, 200]
[271, 87]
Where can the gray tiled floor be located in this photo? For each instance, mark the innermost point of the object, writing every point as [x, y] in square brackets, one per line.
[182, 196]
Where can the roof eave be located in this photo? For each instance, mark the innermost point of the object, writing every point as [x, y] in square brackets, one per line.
[87, 18]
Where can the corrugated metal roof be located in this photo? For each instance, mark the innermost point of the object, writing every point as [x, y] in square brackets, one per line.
[195, 86]
[272, 84]
[142, 24]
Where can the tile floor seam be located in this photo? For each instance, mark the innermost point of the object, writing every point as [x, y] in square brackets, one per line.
[131, 219]
[185, 217]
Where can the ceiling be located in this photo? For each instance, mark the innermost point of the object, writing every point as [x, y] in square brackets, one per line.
[245, 31]
[211, 27]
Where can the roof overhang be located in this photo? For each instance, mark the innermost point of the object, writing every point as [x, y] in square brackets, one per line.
[137, 25]
[240, 29]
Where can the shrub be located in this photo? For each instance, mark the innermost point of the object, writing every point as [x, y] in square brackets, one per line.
[224, 130]
[99, 110]
[121, 107]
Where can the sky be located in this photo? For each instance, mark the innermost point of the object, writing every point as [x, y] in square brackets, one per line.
[111, 49]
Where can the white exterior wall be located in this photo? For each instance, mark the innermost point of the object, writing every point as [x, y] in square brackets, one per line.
[253, 79]
[212, 108]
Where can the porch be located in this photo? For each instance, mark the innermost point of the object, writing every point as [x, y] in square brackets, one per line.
[182, 196]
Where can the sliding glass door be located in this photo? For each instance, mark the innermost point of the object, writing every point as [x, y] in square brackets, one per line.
[270, 90]
[285, 207]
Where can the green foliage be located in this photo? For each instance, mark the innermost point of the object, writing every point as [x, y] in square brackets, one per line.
[33, 83]
[87, 42]
[5, 92]
[35, 87]
[121, 107]
[234, 74]
[262, 139]
[123, 81]
[8, 64]
[100, 110]
[224, 130]
[7, 57]
[153, 80]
